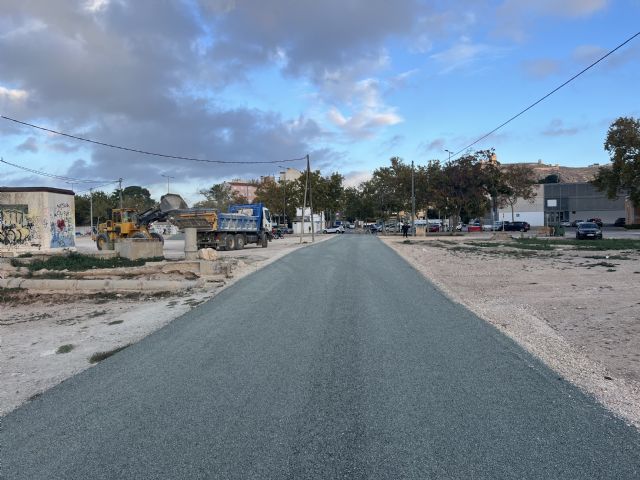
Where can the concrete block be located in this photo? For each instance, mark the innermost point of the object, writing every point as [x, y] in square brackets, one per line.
[135, 248]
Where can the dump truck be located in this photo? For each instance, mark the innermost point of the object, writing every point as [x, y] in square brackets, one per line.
[243, 224]
[128, 223]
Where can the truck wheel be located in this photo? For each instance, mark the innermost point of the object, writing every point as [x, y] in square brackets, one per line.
[102, 242]
[157, 236]
[228, 242]
[238, 242]
[265, 241]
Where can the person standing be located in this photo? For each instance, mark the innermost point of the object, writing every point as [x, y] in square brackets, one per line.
[405, 231]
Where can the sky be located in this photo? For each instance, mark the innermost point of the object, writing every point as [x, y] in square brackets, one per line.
[351, 83]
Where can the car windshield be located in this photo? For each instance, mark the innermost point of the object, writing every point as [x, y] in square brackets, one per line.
[588, 225]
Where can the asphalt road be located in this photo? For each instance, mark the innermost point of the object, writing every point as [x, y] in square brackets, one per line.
[337, 361]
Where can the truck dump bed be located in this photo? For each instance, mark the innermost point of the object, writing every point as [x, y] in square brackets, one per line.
[207, 219]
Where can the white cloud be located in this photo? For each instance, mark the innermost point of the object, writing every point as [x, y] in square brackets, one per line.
[355, 178]
[542, 67]
[465, 53]
[12, 95]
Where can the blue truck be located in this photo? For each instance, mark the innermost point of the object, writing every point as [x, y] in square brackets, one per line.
[243, 224]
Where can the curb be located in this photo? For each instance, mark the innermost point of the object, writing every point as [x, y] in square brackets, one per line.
[92, 286]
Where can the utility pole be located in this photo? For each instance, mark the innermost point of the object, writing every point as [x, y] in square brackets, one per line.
[167, 177]
[413, 201]
[313, 233]
[91, 209]
[120, 189]
[283, 177]
[304, 206]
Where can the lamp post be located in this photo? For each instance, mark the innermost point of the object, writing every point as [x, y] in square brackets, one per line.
[449, 152]
[167, 177]
[283, 177]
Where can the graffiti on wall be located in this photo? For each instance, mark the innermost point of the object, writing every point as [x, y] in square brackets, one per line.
[62, 226]
[17, 227]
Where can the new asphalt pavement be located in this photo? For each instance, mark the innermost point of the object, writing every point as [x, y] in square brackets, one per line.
[337, 361]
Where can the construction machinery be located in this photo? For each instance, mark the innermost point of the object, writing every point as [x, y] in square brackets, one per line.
[243, 224]
[127, 223]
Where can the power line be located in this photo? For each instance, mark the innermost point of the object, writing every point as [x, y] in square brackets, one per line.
[144, 152]
[547, 95]
[52, 175]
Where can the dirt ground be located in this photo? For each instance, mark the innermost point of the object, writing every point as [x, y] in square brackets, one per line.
[577, 310]
[37, 329]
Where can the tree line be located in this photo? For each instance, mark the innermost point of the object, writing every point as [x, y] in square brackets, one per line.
[462, 188]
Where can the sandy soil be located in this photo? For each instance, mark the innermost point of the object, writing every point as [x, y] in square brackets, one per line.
[34, 326]
[577, 310]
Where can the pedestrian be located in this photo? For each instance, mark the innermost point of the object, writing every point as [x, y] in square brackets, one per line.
[405, 231]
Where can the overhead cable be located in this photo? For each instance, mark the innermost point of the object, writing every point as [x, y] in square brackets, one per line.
[144, 152]
[52, 175]
[547, 95]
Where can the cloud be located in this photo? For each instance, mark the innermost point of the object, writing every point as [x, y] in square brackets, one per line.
[29, 145]
[391, 143]
[12, 95]
[435, 145]
[514, 16]
[355, 178]
[556, 128]
[465, 53]
[541, 68]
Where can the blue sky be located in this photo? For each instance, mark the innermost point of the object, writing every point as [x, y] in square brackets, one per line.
[350, 82]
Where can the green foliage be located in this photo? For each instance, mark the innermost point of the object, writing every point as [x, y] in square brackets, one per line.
[220, 196]
[75, 262]
[65, 348]
[623, 176]
[135, 197]
[99, 356]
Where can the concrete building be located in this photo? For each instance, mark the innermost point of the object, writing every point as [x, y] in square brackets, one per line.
[579, 201]
[245, 188]
[37, 217]
[318, 221]
[530, 211]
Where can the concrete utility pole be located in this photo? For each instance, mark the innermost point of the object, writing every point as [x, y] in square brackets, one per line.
[283, 177]
[120, 189]
[313, 233]
[167, 177]
[91, 209]
[413, 201]
[304, 206]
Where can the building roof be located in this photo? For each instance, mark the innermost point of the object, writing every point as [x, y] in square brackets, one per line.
[36, 189]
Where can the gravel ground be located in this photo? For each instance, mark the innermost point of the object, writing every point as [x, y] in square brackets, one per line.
[577, 310]
[34, 326]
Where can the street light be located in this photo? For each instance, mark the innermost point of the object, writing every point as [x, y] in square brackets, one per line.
[167, 177]
[283, 177]
[449, 152]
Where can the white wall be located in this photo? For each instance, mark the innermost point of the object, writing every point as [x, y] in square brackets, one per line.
[535, 219]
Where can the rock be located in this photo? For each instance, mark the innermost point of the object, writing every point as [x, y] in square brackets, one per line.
[208, 254]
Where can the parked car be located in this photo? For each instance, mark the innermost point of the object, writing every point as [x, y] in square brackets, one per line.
[597, 221]
[575, 223]
[338, 229]
[375, 228]
[516, 226]
[565, 223]
[434, 227]
[588, 230]
[620, 222]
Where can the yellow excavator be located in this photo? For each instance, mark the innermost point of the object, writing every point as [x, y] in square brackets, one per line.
[127, 223]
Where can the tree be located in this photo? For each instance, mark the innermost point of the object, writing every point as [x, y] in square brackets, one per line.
[519, 180]
[135, 197]
[102, 205]
[623, 145]
[219, 196]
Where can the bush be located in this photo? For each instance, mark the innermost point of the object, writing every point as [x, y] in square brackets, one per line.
[75, 262]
